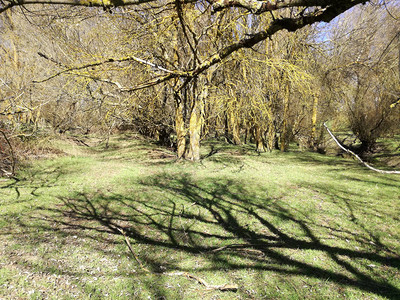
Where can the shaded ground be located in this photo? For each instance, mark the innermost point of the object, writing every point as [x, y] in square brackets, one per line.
[278, 225]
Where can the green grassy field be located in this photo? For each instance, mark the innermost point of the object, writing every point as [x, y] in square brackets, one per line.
[294, 225]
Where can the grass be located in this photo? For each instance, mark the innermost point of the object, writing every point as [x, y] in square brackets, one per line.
[279, 225]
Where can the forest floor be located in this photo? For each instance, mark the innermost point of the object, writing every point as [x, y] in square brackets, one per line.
[238, 225]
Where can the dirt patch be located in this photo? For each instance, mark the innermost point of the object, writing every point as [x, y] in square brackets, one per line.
[160, 154]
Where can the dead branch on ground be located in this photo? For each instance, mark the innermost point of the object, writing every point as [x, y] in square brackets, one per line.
[223, 288]
[356, 156]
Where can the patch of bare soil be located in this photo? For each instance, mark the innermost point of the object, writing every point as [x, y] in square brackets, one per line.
[160, 154]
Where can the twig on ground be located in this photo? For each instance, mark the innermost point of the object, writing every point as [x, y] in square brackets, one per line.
[79, 142]
[240, 247]
[223, 288]
[356, 156]
[131, 250]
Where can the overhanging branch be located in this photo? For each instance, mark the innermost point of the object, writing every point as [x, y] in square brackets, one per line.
[69, 70]
[258, 7]
[327, 10]
[290, 24]
[7, 4]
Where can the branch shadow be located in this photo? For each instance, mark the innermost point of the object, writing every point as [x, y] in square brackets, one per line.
[232, 227]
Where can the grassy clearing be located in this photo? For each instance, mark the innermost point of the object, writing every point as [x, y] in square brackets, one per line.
[279, 225]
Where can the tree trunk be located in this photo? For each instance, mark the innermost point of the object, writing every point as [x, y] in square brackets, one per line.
[271, 135]
[259, 139]
[195, 124]
[235, 129]
[284, 135]
[226, 129]
[314, 124]
[180, 129]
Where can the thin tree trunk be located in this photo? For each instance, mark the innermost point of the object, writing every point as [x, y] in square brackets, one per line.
[180, 129]
[314, 123]
[283, 138]
[271, 135]
[226, 125]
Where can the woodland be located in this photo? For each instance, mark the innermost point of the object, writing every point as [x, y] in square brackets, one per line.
[199, 149]
[180, 73]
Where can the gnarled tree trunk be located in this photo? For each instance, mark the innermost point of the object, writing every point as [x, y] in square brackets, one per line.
[258, 137]
[195, 125]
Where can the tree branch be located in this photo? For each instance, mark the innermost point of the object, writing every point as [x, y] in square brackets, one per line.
[150, 83]
[7, 4]
[356, 156]
[329, 9]
[259, 7]
[153, 82]
[290, 24]
[109, 60]
[95, 3]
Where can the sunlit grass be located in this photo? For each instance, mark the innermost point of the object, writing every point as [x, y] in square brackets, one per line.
[279, 225]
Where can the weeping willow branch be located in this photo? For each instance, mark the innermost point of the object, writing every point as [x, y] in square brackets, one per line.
[68, 70]
[356, 156]
[155, 81]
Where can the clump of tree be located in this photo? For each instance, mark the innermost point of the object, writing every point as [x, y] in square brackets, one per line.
[182, 71]
[364, 74]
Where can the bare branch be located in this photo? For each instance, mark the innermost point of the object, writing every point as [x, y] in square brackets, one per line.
[109, 60]
[121, 88]
[7, 4]
[151, 83]
[356, 156]
[95, 3]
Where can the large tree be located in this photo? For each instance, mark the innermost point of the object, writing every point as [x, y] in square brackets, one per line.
[184, 42]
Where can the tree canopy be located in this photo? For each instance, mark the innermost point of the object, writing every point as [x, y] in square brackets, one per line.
[311, 11]
[182, 71]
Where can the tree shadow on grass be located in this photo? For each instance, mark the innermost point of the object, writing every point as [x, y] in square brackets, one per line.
[231, 228]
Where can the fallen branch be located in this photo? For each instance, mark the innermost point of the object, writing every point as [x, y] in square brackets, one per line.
[131, 250]
[223, 288]
[243, 247]
[79, 142]
[356, 156]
